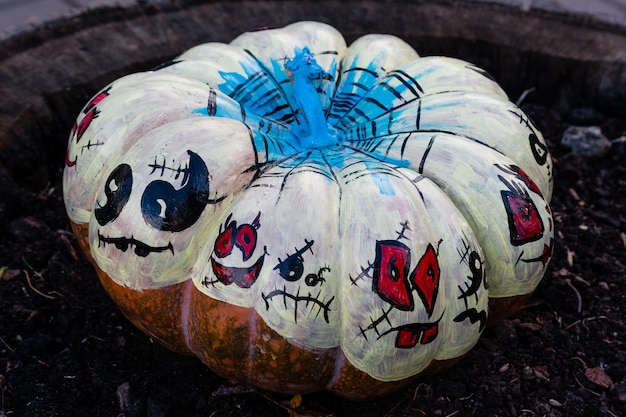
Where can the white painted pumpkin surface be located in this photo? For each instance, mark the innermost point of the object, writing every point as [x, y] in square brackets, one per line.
[361, 198]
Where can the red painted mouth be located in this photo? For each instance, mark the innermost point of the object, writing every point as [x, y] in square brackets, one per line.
[410, 335]
[243, 277]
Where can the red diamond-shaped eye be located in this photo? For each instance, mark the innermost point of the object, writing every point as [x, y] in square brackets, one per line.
[524, 220]
[425, 278]
[391, 274]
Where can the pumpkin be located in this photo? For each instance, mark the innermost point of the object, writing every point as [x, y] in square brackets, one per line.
[305, 215]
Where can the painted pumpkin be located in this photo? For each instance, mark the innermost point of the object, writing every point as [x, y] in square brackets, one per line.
[303, 215]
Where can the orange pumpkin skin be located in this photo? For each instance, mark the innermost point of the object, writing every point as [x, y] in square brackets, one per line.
[236, 342]
[155, 312]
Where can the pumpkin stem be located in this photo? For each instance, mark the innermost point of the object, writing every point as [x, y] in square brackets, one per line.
[311, 131]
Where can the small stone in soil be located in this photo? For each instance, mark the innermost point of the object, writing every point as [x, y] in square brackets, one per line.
[587, 142]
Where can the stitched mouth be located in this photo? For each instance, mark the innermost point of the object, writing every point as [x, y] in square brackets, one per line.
[323, 307]
[243, 277]
[124, 243]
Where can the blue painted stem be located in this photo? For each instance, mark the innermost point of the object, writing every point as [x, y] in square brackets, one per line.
[312, 131]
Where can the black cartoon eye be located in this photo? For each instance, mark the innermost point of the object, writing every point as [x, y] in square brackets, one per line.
[539, 150]
[292, 268]
[117, 190]
[173, 210]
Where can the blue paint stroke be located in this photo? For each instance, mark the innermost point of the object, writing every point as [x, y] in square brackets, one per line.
[297, 111]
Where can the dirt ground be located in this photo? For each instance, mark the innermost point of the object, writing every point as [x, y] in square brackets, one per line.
[65, 349]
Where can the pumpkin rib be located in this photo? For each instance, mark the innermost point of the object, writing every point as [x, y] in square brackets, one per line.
[84, 178]
[230, 156]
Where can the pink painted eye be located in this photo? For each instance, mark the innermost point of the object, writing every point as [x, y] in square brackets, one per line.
[84, 124]
[224, 242]
[391, 274]
[246, 240]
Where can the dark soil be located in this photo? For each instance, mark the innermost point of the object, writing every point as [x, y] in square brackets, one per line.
[66, 350]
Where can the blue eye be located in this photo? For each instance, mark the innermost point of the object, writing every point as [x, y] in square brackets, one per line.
[292, 268]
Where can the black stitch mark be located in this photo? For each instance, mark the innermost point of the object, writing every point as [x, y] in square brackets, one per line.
[405, 227]
[374, 323]
[362, 275]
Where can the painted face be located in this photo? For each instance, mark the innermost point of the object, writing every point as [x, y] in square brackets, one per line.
[287, 274]
[164, 207]
[141, 223]
[291, 291]
[121, 110]
[242, 239]
[394, 284]
[293, 269]
[151, 204]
